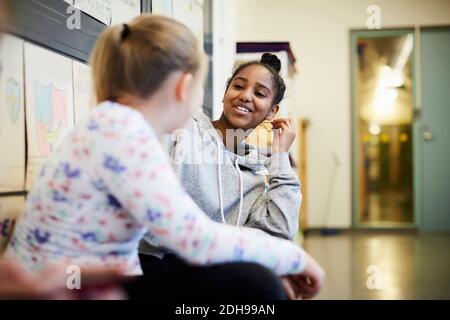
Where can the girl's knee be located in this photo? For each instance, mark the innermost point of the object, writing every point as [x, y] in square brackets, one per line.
[258, 281]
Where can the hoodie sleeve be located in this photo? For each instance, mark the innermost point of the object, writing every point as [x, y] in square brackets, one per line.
[276, 211]
[138, 174]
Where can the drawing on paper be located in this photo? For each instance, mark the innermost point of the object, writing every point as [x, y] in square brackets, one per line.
[51, 116]
[12, 117]
[49, 103]
[13, 100]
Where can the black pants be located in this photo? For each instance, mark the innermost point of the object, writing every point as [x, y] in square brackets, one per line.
[173, 279]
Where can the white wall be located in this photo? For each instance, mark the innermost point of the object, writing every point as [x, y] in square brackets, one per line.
[224, 49]
[319, 35]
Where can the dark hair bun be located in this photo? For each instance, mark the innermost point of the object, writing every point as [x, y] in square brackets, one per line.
[272, 61]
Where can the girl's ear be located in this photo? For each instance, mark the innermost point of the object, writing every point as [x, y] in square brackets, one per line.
[183, 85]
[272, 112]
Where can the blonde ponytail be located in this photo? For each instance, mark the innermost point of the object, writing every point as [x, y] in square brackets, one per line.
[137, 58]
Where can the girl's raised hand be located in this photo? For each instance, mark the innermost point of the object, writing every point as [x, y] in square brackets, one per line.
[283, 134]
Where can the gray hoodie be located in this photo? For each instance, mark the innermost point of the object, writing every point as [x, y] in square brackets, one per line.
[240, 189]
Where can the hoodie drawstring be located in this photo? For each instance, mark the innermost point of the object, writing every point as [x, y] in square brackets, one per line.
[241, 186]
[219, 169]
[241, 191]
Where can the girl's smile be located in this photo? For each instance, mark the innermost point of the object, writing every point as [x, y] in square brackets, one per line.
[248, 99]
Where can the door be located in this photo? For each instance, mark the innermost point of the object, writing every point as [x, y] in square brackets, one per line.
[383, 100]
[435, 85]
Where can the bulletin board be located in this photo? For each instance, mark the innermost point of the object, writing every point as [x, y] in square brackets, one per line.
[44, 22]
[39, 102]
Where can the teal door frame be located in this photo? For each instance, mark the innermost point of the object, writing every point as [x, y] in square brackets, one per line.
[416, 129]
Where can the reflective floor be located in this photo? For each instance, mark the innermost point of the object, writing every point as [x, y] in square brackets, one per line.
[389, 206]
[374, 265]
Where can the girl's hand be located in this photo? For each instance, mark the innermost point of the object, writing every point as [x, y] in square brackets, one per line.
[307, 284]
[98, 283]
[290, 288]
[283, 135]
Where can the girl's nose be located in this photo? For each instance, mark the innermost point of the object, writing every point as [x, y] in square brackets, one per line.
[246, 96]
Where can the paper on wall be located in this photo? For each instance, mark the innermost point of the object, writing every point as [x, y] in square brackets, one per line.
[82, 91]
[197, 22]
[183, 11]
[190, 13]
[124, 11]
[12, 115]
[99, 9]
[162, 7]
[49, 98]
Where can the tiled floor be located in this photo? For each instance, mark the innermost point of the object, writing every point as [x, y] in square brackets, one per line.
[401, 265]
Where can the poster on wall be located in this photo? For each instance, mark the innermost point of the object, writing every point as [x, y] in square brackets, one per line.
[99, 9]
[163, 7]
[49, 97]
[12, 115]
[124, 11]
[10, 209]
[197, 24]
[189, 12]
[82, 92]
[183, 11]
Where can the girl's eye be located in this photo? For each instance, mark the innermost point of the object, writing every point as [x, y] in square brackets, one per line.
[260, 94]
[238, 86]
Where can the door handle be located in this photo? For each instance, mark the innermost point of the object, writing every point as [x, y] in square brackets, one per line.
[427, 136]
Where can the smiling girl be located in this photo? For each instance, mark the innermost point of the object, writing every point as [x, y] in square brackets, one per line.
[230, 180]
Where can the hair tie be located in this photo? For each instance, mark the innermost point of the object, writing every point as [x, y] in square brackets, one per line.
[125, 32]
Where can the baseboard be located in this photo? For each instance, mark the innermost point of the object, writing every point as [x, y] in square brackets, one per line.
[340, 231]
